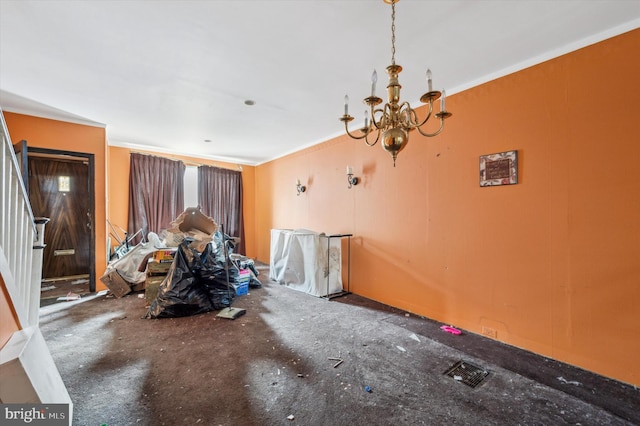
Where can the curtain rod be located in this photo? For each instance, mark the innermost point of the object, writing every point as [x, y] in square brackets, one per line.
[186, 163]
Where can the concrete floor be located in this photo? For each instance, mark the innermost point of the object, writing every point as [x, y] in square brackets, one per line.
[273, 366]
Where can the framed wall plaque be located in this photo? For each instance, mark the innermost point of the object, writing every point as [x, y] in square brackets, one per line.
[499, 169]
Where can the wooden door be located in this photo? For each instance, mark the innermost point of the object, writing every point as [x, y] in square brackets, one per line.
[59, 189]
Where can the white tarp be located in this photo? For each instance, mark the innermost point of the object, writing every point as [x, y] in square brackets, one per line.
[306, 261]
[129, 265]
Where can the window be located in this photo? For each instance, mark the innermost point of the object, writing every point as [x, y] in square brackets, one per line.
[191, 186]
[64, 183]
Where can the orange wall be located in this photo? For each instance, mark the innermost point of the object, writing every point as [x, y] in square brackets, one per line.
[118, 189]
[550, 264]
[53, 134]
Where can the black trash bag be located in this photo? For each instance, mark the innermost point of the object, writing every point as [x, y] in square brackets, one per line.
[253, 269]
[213, 276]
[254, 283]
[218, 238]
[182, 293]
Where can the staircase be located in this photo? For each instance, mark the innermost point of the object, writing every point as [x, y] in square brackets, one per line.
[27, 371]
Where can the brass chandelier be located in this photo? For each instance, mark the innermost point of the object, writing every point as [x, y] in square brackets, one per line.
[395, 120]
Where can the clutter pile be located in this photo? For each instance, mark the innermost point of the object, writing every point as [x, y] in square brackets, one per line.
[191, 271]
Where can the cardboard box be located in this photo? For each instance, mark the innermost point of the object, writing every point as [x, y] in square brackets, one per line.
[138, 286]
[192, 223]
[151, 286]
[115, 283]
[164, 255]
[192, 218]
[157, 268]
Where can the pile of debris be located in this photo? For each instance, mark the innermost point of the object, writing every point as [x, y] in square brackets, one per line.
[193, 270]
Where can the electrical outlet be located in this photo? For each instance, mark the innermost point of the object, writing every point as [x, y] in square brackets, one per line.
[490, 332]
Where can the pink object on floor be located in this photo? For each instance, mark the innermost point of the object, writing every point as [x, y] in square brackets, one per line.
[450, 329]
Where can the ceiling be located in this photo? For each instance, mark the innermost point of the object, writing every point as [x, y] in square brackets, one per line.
[169, 75]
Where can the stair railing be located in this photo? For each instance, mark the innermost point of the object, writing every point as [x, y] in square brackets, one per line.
[21, 238]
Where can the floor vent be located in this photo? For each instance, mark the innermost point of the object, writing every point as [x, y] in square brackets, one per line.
[467, 373]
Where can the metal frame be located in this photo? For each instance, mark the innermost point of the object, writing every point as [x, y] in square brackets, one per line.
[341, 293]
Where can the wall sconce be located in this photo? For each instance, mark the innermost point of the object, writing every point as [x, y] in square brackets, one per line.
[300, 187]
[351, 178]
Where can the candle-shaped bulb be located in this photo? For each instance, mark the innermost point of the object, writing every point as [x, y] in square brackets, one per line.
[443, 100]
[374, 79]
[297, 182]
[429, 83]
[349, 170]
[346, 104]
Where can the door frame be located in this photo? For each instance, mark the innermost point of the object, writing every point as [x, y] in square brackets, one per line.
[90, 158]
[20, 149]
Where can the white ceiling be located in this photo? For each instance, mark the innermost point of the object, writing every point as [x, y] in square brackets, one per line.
[167, 75]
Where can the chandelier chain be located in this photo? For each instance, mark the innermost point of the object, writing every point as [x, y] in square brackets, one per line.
[393, 32]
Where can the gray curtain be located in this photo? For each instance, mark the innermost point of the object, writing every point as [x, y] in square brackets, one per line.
[220, 197]
[156, 193]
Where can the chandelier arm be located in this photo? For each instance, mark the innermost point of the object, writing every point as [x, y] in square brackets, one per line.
[429, 135]
[366, 138]
[426, 118]
[387, 119]
[410, 115]
[346, 128]
[379, 124]
[413, 117]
